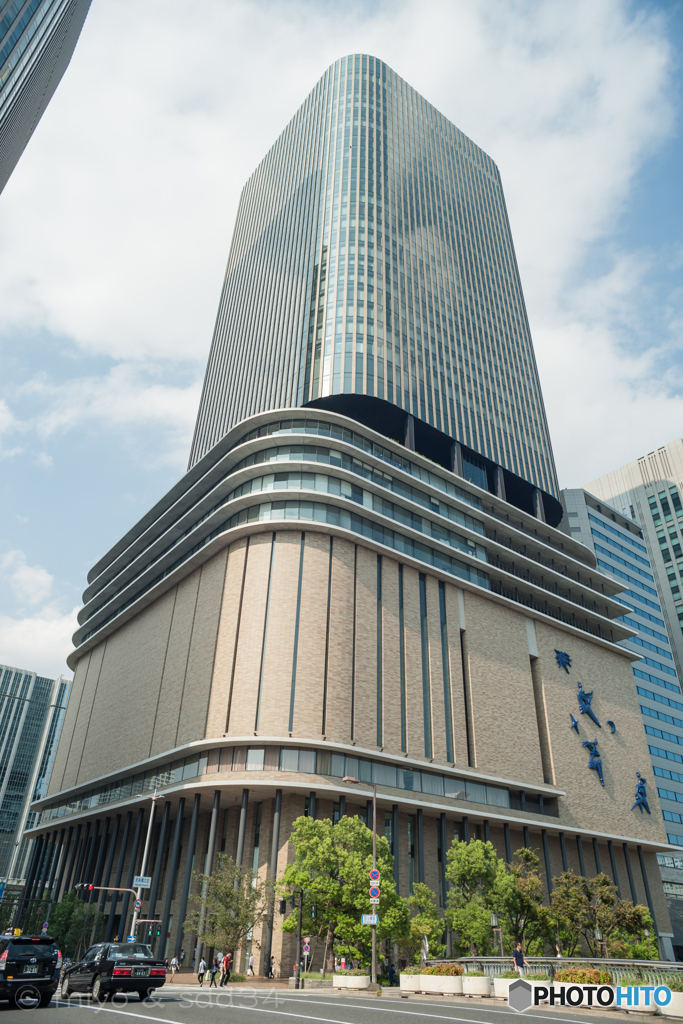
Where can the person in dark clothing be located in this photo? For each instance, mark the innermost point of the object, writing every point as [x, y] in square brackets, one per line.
[392, 976]
[519, 959]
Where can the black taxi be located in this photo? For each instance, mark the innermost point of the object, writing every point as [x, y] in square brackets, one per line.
[110, 967]
[29, 969]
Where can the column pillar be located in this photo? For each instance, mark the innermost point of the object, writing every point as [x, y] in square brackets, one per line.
[110, 862]
[342, 805]
[508, 844]
[563, 851]
[242, 830]
[629, 872]
[97, 875]
[420, 847]
[192, 842]
[539, 510]
[596, 856]
[456, 459]
[42, 870]
[647, 889]
[613, 863]
[465, 829]
[499, 481]
[546, 858]
[78, 876]
[69, 873]
[274, 850]
[131, 873]
[87, 874]
[394, 842]
[119, 874]
[156, 881]
[30, 875]
[63, 864]
[368, 814]
[312, 805]
[527, 841]
[171, 876]
[409, 435]
[55, 863]
[487, 831]
[579, 850]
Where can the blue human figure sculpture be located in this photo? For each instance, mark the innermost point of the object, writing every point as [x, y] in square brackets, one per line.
[594, 761]
[585, 698]
[575, 724]
[641, 795]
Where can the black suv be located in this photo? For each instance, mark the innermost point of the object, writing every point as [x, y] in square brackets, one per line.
[110, 967]
[29, 969]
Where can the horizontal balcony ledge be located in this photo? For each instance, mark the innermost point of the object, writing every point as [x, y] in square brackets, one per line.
[353, 508]
[230, 536]
[214, 464]
[178, 531]
[357, 793]
[298, 743]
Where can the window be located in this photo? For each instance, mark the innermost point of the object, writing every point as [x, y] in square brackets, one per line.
[255, 758]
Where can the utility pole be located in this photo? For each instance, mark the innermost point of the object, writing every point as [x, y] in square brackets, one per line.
[298, 939]
[145, 856]
[374, 867]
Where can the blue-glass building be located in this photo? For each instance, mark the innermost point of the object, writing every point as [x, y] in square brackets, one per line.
[32, 709]
[372, 272]
[37, 39]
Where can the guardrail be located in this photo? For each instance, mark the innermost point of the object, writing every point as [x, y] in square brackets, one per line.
[645, 971]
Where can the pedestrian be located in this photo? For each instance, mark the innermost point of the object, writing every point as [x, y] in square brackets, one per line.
[182, 957]
[272, 967]
[559, 951]
[174, 967]
[227, 962]
[251, 964]
[214, 972]
[201, 972]
[519, 959]
[392, 977]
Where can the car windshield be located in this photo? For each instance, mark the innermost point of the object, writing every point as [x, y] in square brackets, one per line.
[130, 949]
[31, 949]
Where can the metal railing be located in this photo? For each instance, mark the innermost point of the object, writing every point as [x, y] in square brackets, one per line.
[644, 971]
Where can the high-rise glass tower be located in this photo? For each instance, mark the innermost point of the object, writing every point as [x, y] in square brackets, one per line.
[372, 259]
[37, 40]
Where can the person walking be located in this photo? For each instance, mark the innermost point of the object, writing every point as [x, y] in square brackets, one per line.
[225, 974]
[392, 977]
[201, 972]
[251, 965]
[272, 967]
[519, 959]
[174, 967]
[214, 972]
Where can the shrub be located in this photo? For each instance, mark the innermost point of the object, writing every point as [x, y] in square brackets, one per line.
[475, 974]
[411, 970]
[537, 976]
[445, 970]
[353, 972]
[509, 974]
[675, 982]
[234, 976]
[584, 976]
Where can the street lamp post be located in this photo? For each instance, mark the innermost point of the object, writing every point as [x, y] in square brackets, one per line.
[148, 842]
[350, 778]
[495, 928]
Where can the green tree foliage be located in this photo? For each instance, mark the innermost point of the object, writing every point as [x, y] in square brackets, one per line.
[234, 900]
[580, 905]
[73, 922]
[471, 873]
[332, 865]
[517, 898]
[427, 923]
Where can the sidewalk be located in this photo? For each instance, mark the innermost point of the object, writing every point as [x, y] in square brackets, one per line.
[186, 979]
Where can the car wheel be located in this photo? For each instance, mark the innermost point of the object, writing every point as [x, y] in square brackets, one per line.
[65, 988]
[147, 993]
[27, 998]
[45, 999]
[99, 993]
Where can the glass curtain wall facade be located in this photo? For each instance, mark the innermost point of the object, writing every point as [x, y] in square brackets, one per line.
[32, 711]
[372, 256]
[37, 40]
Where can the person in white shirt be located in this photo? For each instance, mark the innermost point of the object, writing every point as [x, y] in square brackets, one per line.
[174, 967]
[201, 972]
[251, 964]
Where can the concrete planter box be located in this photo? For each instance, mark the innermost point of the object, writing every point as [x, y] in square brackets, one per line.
[501, 987]
[442, 984]
[354, 981]
[475, 985]
[312, 983]
[675, 1007]
[409, 982]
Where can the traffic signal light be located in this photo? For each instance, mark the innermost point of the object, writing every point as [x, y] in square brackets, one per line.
[314, 911]
[84, 885]
[158, 932]
[283, 906]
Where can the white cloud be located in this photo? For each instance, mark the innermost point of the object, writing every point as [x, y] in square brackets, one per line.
[38, 643]
[115, 237]
[31, 584]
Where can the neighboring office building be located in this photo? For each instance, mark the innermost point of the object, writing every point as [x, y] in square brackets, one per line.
[37, 39]
[649, 489]
[620, 549]
[346, 588]
[32, 710]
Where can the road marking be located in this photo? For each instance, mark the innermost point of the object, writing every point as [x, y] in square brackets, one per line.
[464, 1020]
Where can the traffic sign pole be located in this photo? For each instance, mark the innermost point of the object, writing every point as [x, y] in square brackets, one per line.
[145, 856]
[374, 869]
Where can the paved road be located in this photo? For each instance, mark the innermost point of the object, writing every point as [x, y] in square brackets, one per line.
[282, 1007]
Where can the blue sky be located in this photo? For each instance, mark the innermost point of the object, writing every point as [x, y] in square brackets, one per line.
[115, 230]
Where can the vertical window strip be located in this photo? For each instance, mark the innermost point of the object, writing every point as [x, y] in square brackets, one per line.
[327, 637]
[379, 651]
[237, 633]
[265, 634]
[445, 662]
[402, 658]
[296, 633]
[426, 697]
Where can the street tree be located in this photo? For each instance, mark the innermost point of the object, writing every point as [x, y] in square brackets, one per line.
[233, 900]
[427, 926]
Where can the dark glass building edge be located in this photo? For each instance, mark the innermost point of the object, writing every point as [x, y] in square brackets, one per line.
[37, 41]
[370, 195]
